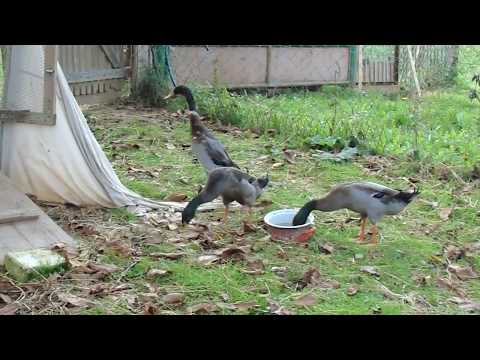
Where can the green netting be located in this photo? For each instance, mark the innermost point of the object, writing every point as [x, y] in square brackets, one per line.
[161, 64]
[156, 81]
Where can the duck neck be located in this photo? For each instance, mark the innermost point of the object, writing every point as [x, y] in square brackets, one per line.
[196, 125]
[324, 204]
[192, 106]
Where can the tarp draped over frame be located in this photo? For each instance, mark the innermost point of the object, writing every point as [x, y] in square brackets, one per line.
[62, 163]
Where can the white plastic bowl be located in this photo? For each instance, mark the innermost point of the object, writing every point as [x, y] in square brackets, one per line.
[280, 219]
[279, 226]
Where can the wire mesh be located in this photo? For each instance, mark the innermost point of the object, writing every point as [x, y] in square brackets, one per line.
[244, 66]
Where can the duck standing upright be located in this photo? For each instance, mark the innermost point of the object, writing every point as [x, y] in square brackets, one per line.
[184, 91]
[209, 151]
[372, 201]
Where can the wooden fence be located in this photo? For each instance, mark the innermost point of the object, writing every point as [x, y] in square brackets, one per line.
[380, 71]
[96, 73]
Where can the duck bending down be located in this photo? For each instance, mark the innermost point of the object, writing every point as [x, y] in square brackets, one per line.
[209, 151]
[372, 201]
[232, 185]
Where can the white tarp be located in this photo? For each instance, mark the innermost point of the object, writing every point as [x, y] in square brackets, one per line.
[61, 163]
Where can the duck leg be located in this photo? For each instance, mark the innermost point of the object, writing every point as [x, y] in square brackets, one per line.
[248, 210]
[361, 236]
[374, 234]
[225, 215]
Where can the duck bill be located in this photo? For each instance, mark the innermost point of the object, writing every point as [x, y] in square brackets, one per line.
[169, 96]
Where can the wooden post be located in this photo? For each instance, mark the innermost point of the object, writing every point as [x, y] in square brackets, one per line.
[360, 67]
[396, 64]
[414, 71]
[50, 64]
[269, 60]
[133, 70]
[453, 52]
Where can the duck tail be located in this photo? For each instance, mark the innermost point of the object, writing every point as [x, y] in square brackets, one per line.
[407, 197]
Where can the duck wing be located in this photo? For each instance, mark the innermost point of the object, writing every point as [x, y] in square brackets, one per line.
[375, 190]
[216, 151]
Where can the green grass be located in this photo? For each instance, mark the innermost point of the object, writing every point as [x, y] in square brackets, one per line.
[442, 127]
[406, 249]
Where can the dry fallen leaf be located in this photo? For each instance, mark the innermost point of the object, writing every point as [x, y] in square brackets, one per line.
[10, 309]
[306, 300]
[172, 227]
[352, 290]
[73, 300]
[103, 267]
[203, 308]
[249, 227]
[256, 264]
[466, 304]
[449, 285]
[276, 309]
[445, 213]
[5, 298]
[421, 279]
[120, 248]
[263, 158]
[313, 278]
[472, 248]
[453, 252]
[280, 270]
[171, 256]
[463, 273]
[98, 290]
[245, 306]
[208, 259]
[153, 273]
[255, 267]
[327, 248]
[177, 197]
[233, 253]
[277, 165]
[154, 240]
[6, 285]
[174, 298]
[289, 156]
[372, 270]
[150, 309]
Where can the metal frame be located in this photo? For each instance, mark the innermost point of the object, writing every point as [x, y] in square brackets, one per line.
[47, 116]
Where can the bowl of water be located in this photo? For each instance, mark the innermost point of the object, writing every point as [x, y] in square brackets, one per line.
[279, 225]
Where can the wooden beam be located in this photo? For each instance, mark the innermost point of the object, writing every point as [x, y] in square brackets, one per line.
[49, 94]
[27, 117]
[97, 75]
[111, 55]
[17, 215]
